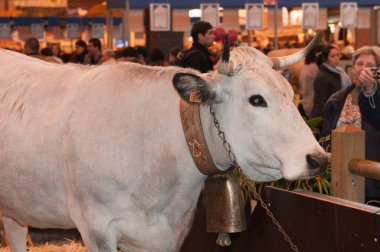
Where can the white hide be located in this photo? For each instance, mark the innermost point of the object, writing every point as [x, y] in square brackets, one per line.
[102, 148]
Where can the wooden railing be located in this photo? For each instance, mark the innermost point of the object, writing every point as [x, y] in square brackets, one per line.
[366, 168]
[349, 167]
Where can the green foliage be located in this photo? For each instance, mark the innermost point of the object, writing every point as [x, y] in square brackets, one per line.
[313, 123]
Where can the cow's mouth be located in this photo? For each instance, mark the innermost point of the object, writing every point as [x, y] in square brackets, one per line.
[262, 173]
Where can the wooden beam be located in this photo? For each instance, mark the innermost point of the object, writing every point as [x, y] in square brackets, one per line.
[366, 168]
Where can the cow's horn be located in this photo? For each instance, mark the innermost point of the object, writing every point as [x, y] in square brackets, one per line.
[279, 62]
[224, 64]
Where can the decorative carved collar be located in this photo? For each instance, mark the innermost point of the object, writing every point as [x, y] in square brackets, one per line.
[192, 127]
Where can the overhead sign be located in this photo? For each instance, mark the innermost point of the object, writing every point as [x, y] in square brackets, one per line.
[38, 30]
[210, 13]
[72, 30]
[97, 30]
[5, 30]
[348, 14]
[310, 15]
[255, 16]
[159, 17]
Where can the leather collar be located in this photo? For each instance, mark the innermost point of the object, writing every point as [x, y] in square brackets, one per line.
[192, 127]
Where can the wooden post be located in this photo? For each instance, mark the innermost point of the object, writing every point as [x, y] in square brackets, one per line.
[347, 143]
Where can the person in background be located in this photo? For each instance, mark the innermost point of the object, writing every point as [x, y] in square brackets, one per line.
[94, 53]
[358, 105]
[129, 54]
[157, 58]
[198, 56]
[268, 48]
[142, 53]
[348, 50]
[56, 49]
[108, 57]
[47, 55]
[173, 56]
[330, 78]
[307, 76]
[79, 53]
[32, 48]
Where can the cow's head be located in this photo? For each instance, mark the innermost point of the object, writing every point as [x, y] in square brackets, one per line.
[254, 106]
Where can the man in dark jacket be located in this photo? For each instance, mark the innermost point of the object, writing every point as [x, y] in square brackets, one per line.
[198, 57]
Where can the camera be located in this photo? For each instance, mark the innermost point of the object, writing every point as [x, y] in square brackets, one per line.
[375, 72]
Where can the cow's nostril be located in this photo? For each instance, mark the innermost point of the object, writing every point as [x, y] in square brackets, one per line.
[312, 162]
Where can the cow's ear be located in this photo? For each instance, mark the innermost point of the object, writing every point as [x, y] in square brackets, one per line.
[193, 88]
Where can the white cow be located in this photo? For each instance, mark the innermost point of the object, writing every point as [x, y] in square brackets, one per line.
[102, 148]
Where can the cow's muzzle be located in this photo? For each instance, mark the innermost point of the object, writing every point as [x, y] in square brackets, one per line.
[317, 163]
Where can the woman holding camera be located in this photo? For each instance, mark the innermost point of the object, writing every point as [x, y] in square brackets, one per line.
[359, 106]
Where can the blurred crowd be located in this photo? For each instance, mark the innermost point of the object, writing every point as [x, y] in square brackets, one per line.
[92, 53]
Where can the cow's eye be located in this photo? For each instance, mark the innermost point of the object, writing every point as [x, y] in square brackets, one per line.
[257, 100]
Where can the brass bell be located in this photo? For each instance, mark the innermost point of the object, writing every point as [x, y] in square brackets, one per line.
[224, 204]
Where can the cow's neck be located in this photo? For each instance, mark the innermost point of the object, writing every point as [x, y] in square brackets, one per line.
[214, 143]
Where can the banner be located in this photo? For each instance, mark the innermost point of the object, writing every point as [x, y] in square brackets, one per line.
[310, 15]
[159, 17]
[210, 13]
[255, 16]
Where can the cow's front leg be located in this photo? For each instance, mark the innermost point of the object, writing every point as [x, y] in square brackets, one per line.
[15, 235]
[95, 229]
[98, 238]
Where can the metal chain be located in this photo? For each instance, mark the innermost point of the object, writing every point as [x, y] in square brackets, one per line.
[275, 222]
[232, 157]
[226, 145]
